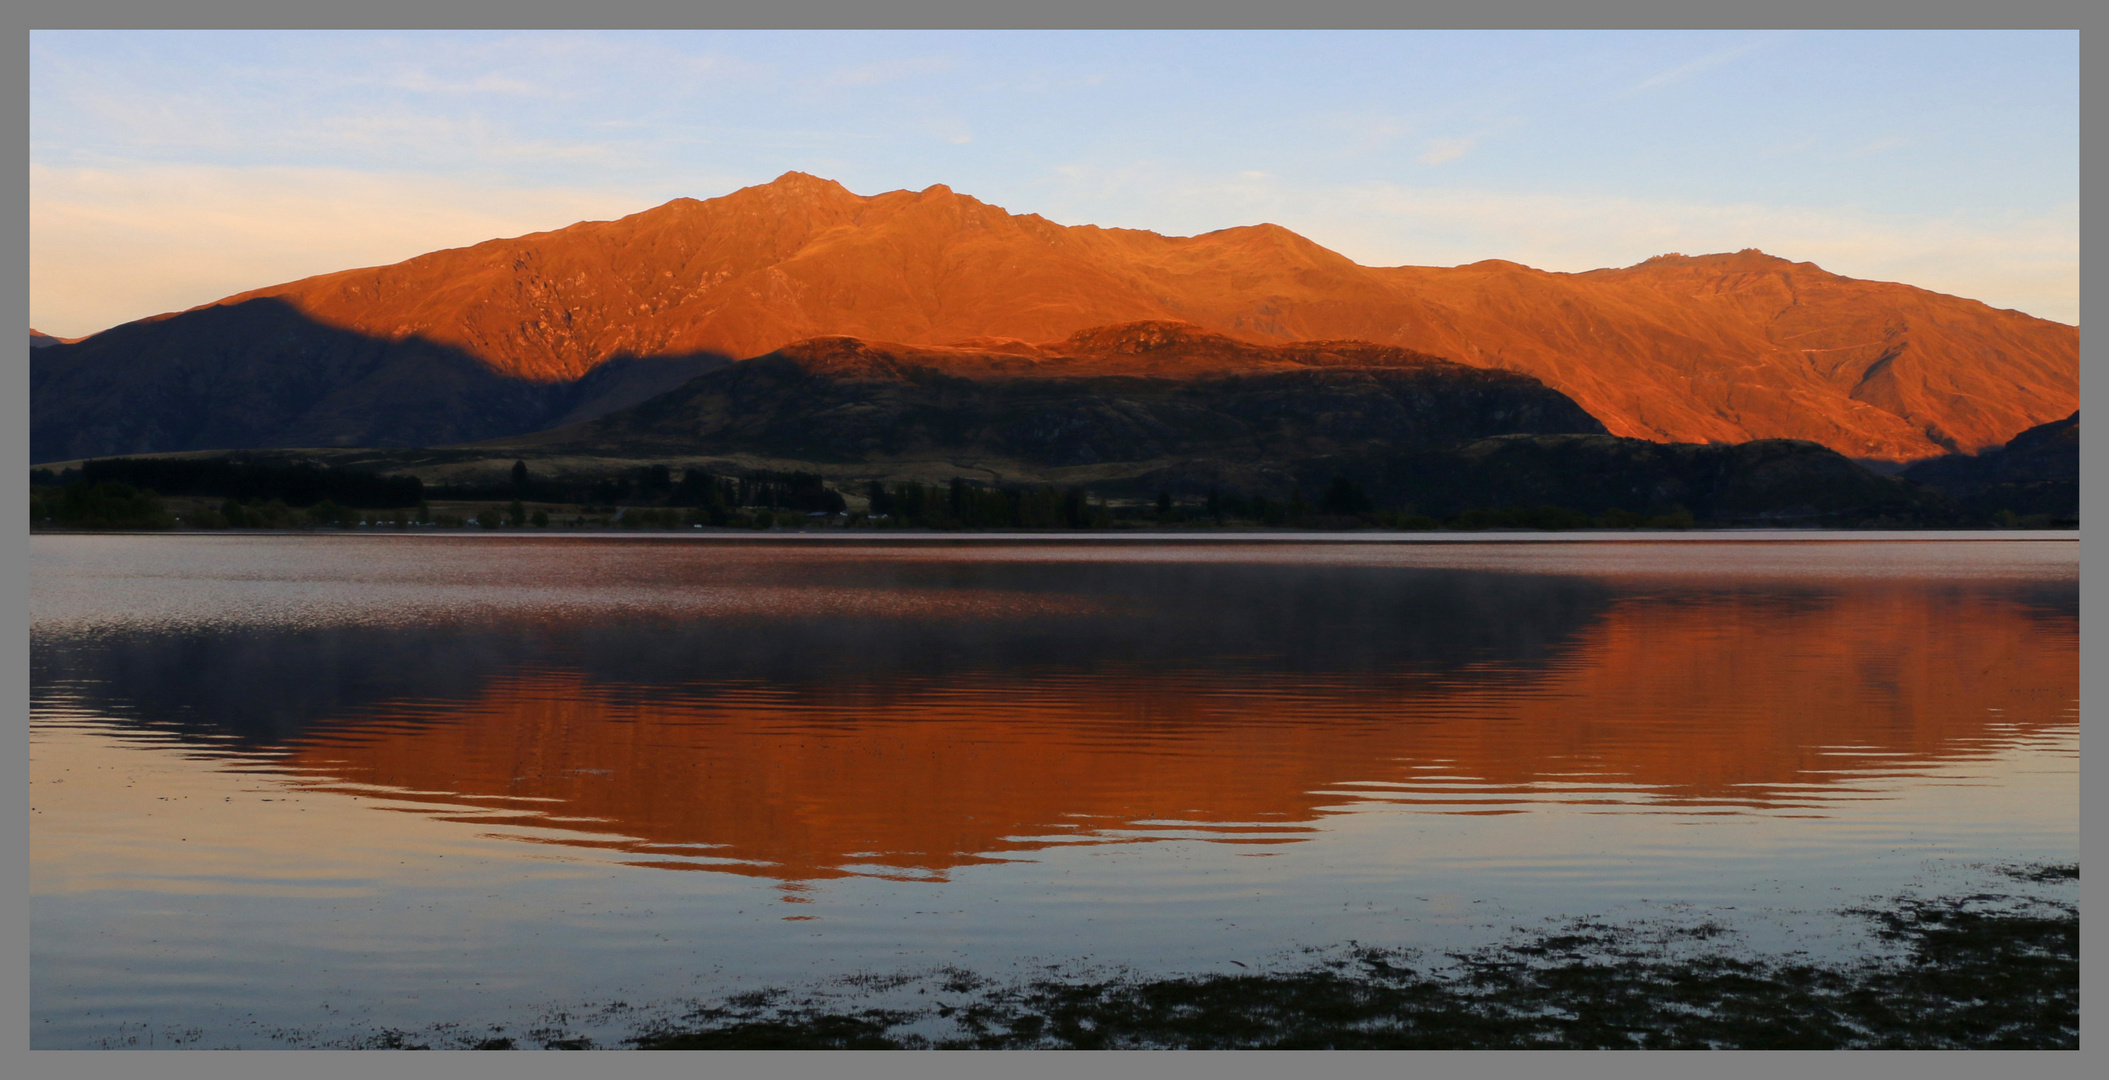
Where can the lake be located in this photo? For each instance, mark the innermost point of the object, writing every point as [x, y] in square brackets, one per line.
[310, 790]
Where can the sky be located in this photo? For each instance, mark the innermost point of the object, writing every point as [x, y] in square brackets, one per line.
[171, 168]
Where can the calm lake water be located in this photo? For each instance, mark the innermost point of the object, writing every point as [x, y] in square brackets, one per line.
[299, 790]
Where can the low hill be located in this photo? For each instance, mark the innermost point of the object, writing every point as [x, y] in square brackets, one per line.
[2036, 473]
[1765, 482]
[1106, 403]
[262, 374]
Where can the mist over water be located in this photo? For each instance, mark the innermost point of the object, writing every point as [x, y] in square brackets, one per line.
[293, 787]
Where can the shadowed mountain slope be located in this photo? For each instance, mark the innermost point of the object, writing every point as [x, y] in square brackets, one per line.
[263, 374]
[1120, 394]
[1155, 406]
[2036, 472]
[1764, 482]
[1716, 348]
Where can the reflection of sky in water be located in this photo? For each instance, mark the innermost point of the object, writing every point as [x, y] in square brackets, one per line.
[453, 764]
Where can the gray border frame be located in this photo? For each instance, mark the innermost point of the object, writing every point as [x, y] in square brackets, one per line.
[21, 17]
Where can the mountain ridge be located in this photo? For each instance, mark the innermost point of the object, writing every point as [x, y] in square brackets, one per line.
[1710, 348]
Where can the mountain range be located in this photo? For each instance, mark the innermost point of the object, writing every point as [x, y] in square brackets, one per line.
[517, 335]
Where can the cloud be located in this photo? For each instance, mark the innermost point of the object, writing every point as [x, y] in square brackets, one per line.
[1092, 186]
[424, 82]
[1365, 131]
[109, 246]
[889, 71]
[544, 64]
[1688, 69]
[946, 127]
[1876, 147]
[1450, 149]
[1442, 150]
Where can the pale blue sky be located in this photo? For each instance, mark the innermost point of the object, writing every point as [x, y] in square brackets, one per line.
[171, 168]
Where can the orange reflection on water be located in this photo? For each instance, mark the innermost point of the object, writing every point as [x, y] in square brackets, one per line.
[1678, 703]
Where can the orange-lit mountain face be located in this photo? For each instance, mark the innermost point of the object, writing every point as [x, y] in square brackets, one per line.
[1715, 348]
[1150, 348]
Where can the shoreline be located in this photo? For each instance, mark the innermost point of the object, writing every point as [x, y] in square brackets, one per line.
[1982, 970]
[1370, 536]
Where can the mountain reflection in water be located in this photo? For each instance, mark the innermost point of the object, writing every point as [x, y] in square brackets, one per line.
[902, 719]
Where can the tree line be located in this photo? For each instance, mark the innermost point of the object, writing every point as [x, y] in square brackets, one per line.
[655, 486]
[97, 496]
[960, 505]
[297, 485]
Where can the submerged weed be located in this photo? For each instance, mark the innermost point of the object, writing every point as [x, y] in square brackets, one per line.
[1973, 972]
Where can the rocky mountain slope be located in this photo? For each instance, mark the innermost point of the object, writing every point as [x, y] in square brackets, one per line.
[1715, 348]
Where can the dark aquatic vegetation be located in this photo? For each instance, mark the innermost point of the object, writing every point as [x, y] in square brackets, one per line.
[1967, 979]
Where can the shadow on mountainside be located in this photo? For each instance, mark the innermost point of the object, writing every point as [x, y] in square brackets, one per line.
[2036, 473]
[262, 374]
[1429, 437]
